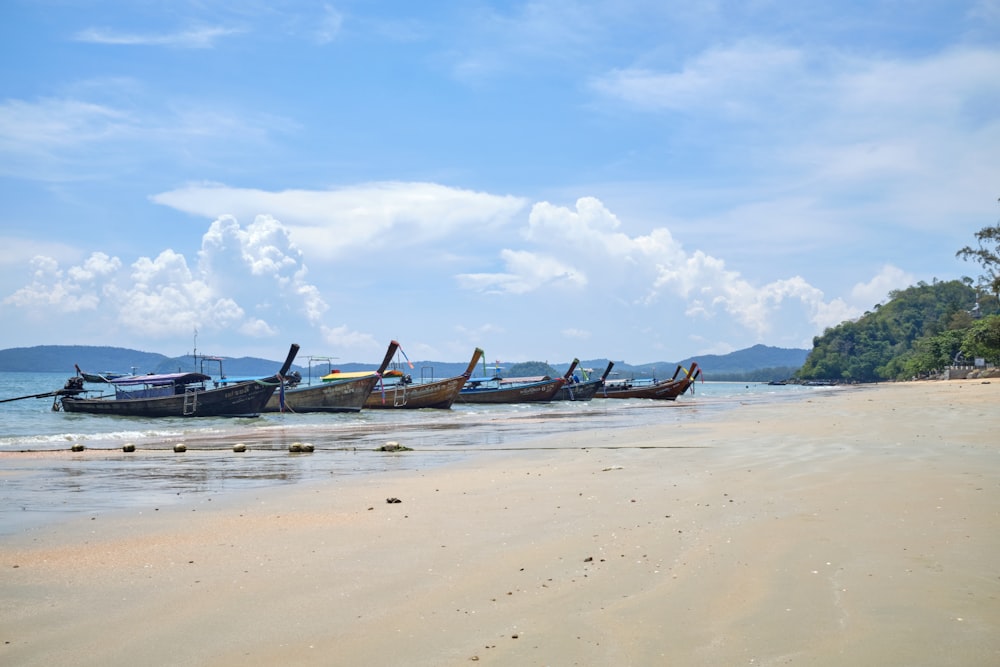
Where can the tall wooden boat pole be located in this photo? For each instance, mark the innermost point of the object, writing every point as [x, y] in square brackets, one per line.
[292, 351]
[477, 354]
[389, 354]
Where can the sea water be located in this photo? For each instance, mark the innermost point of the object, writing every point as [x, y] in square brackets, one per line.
[39, 480]
[31, 424]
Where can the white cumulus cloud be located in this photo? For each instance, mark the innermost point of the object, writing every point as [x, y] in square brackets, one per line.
[876, 290]
[246, 279]
[643, 270]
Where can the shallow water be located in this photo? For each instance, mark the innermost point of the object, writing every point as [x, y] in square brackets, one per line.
[50, 483]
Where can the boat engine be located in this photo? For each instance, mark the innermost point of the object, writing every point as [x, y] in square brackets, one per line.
[73, 386]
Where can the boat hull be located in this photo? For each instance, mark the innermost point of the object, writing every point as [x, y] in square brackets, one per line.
[438, 395]
[579, 391]
[663, 391]
[337, 396]
[244, 399]
[531, 393]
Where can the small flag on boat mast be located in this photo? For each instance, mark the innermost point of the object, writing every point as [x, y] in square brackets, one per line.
[406, 357]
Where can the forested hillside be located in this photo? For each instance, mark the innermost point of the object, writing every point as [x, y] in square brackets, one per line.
[921, 329]
[97, 359]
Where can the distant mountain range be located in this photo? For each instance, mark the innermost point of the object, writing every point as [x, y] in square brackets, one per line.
[759, 363]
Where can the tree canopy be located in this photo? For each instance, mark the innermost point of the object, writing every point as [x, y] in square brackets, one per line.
[530, 369]
[987, 255]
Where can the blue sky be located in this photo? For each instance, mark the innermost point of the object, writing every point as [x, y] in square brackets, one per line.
[643, 181]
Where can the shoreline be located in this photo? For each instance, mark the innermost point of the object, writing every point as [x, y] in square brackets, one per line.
[30, 430]
[101, 475]
[856, 527]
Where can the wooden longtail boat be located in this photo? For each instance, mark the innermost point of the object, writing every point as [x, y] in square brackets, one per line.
[181, 395]
[510, 390]
[581, 391]
[667, 390]
[440, 394]
[337, 392]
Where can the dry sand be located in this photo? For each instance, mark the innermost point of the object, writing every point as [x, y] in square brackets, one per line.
[860, 527]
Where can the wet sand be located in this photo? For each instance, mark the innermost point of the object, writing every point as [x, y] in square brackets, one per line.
[857, 527]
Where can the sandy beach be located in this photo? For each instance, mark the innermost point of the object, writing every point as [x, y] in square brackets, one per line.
[859, 527]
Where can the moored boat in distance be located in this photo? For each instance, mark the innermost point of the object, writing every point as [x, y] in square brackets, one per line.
[101, 378]
[337, 392]
[581, 390]
[181, 395]
[397, 392]
[667, 390]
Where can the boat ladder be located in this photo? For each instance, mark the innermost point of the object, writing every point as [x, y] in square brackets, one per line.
[190, 402]
[399, 397]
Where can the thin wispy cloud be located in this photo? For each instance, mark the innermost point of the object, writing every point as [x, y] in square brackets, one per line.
[729, 81]
[329, 25]
[986, 10]
[118, 125]
[194, 38]
[500, 41]
[55, 122]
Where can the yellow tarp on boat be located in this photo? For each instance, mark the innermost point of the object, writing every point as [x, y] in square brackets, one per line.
[333, 377]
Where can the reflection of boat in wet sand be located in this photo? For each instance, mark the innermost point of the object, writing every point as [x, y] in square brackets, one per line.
[399, 391]
[338, 392]
[181, 395]
[667, 390]
[580, 390]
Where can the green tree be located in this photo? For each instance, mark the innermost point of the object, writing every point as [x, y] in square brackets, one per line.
[530, 369]
[987, 255]
[930, 354]
[982, 339]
